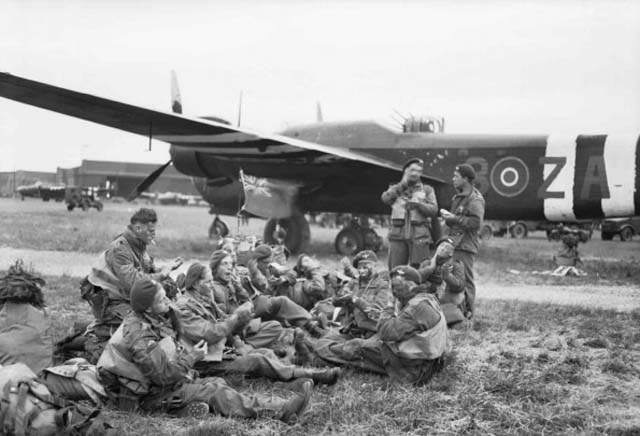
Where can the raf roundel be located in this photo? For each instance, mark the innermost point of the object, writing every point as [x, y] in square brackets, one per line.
[509, 176]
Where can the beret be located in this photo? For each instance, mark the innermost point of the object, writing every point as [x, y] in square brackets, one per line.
[365, 256]
[143, 293]
[467, 171]
[412, 161]
[409, 273]
[445, 239]
[262, 252]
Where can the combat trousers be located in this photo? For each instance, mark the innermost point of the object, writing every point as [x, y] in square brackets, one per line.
[408, 251]
[260, 363]
[358, 353]
[374, 355]
[281, 309]
[467, 258]
[222, 399]
[263, 334]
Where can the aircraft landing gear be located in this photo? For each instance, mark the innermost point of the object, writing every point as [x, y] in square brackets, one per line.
[357, 236]
[295, 230]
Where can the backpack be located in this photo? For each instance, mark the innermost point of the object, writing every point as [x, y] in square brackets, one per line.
[27, 407]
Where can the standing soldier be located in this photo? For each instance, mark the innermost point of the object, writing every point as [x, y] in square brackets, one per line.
[464, 220]
[412, 204]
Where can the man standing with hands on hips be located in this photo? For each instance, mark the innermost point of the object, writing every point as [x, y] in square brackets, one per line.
[464, 221]
[412, 204]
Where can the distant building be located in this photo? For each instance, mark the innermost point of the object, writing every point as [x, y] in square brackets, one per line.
[124, 177]
[10, 180]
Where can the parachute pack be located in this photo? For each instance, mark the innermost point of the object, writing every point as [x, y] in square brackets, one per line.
[27, 407]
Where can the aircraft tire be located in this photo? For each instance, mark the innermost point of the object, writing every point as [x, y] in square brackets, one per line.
[349, 241]
[298, 234]
[70, 207]
[99, 206]
[519, 231]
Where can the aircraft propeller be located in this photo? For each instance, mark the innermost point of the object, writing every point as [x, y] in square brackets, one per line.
[148, 181]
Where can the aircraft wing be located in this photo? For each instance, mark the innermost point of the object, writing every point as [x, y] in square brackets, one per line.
[196, 133]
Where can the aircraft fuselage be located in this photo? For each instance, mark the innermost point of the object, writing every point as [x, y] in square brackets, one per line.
[536, 177]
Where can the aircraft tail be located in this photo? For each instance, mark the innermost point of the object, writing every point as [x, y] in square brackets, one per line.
[176, 99]
[319, 117]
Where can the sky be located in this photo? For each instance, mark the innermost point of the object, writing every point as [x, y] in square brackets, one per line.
[530, 67]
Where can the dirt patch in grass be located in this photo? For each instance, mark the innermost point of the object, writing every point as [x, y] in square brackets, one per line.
[182, 231]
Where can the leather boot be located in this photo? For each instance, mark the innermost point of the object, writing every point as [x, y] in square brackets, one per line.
[326, 376]
[291, 410]
[304, 355]
[313, 329]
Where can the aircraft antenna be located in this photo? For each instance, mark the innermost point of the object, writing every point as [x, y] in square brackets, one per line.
[400, 123]
[240, 109]
[404, 118]
[150, 133]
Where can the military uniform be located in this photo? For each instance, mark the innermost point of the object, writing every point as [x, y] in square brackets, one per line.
[410, 233]
[374, 293]
[468, 208]
[568, 251]
[107, 287]
[311, 289]
[201, 319]
[448, 287]
[408, 347]
[271, 302]
[144, 366]
[228, 297]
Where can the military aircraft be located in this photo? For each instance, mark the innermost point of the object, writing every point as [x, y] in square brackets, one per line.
[32, 190]
[344, 166]
[45, 191]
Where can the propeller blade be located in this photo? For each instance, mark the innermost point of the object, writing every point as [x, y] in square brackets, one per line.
[176, 99]
[148, 181]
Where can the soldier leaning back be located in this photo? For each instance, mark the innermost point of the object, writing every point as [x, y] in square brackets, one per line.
[412, 204]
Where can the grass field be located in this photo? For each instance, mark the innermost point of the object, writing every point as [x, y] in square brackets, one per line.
[182, 231]
[524, 369]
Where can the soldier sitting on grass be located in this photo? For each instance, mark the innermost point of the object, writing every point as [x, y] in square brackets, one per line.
[108, 285]
[443, 276]
[409, 345]
[268, 281]
[145, 366]
[201, 319]
[364, 297]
